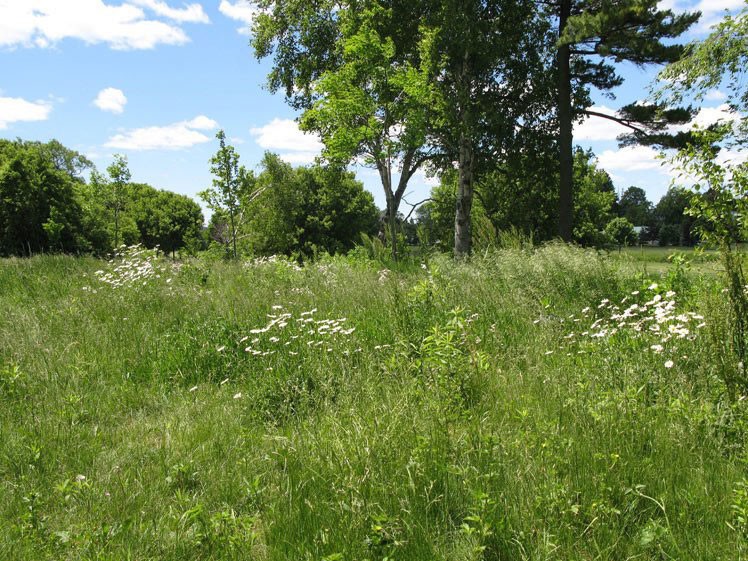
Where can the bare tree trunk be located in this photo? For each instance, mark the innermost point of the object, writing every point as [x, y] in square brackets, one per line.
[392, 223]
[116, 228]
[566, 156]
[463, 222]
[233, 232]
[385, 173]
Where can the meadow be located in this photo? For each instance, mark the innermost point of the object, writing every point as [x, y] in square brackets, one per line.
[545, 403]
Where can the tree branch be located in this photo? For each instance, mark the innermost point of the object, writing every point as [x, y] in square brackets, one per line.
[414, 206]
[618, 120]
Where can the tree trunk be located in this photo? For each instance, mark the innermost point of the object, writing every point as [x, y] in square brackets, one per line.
[566, 156]
[116, 229]
[393, 202]
[463, 222]
[392, 223]
[233, 232]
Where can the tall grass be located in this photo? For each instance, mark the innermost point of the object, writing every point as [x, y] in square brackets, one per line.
[429, 413]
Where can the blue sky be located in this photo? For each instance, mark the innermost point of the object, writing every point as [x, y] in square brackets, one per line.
[155, 79]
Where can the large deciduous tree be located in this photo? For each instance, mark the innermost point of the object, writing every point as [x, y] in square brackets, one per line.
[635, 207]
[484, 62]
[164, 219]
[307, 210]
[346, 64]
[592, 35]
[39, 207]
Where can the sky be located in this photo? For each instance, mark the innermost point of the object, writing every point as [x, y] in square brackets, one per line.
[155, 80]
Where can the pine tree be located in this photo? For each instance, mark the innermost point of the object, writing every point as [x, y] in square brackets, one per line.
[594, 34]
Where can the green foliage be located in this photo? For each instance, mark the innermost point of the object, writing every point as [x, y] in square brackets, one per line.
[717, 61]
[504, 202]
[720, 200]
[164, 219]
[231, 184]
[39, 208]
[594, 195]
[620, 231]
[720, 203]
[355, 84]
[146, 421]
[116, 190]
[307, 210]
[671, 224]
[635, 207]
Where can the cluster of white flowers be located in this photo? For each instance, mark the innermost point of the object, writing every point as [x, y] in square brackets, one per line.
[273, 260]
[286, 333]
[133, 266]
[646, 313]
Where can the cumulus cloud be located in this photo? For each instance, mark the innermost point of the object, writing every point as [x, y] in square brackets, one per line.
[16, 109]
[111, 99]
[631, 158]
[712, 11]
[283, 136]
[177, 136]
[599, 128]
[715, 95]
[132, 24]
[239, 10]
[192, 13]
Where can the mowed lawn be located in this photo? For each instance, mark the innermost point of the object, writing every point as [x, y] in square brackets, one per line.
[552, 403]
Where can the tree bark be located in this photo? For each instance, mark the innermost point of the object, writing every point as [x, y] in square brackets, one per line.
[566, 156]
[392, 224]
[233, 232]
[385, 173]
[463, 222]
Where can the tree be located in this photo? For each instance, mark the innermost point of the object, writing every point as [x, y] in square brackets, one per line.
[720, 195]
[230, 184]
[593, 204]
[403, 83]
[610, 30]
[519, 196]
[39, 210]
[367, 109]
[114, 190]
[670, 221]
[307, 210]
[620, 231]
[356, 90]
[484, 65]
[635, 207]
[164, 219]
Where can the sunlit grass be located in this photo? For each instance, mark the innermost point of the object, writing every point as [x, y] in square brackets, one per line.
[348, 410]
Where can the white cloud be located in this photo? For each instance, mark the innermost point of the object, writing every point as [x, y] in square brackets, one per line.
[191, 13]
[710, 115]
[712, 11]
[715, 95]
[631, 158]
[201, 122]
[123, 26]
[284, 136]
[599, 128]
[16, 109]
[239, 10]
[177, 136]
[111, 99]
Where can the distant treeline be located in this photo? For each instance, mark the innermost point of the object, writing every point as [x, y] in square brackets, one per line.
[527, 202]
[46, 205]
[52, 199]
